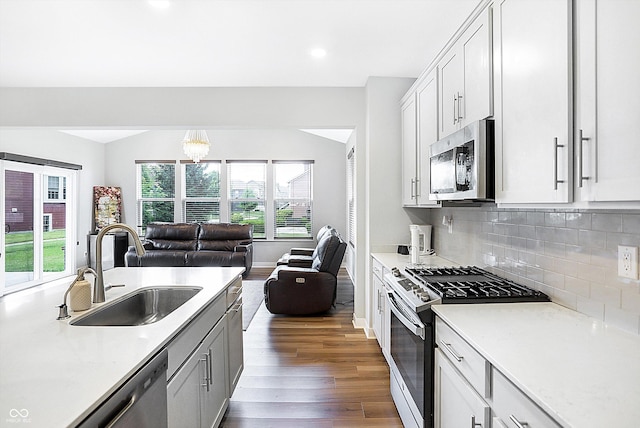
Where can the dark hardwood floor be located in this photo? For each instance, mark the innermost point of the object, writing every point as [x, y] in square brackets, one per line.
[311, 372]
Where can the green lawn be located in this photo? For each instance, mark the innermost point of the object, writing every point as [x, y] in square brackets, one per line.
[19, 251]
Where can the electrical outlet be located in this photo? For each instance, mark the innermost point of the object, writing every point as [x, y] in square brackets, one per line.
[628, 262]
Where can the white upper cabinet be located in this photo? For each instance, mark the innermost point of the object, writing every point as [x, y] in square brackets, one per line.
[419, 131]
[427, 112]
[409, 138]
[607, 100]
[465, 77]
[533, 93]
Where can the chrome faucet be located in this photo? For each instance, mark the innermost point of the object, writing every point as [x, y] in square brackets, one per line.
[98, 285]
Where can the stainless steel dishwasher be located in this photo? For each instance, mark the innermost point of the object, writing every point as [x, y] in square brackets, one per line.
[140, 403]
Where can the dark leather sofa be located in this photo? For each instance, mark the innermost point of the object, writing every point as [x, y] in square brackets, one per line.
[307, 287]
[195, 244]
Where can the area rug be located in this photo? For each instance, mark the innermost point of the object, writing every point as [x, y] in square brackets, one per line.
[252, 297]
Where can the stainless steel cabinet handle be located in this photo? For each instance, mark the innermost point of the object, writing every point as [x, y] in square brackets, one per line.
[455, 102]
[556, 146]
[210, 368]
[474, 424]
[417, 188]
[581, 177]
[413, 181]
[459, 107]
[453, 353]
[518, 423]
[207, 382]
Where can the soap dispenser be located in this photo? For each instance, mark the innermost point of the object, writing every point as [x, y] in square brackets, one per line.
[80, 294]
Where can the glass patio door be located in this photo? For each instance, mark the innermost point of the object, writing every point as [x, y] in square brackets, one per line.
[37, 218]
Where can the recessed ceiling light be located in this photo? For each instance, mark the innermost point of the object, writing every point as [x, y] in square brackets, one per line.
[160, 4]
[318, 53]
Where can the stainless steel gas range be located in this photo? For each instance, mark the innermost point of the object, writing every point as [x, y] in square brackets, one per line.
[410, 294]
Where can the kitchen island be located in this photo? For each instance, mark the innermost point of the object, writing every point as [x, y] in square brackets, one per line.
[54, 374]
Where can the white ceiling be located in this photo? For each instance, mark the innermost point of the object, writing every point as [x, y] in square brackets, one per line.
[129, 43]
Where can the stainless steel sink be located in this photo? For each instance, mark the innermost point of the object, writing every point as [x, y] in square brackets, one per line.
[144, 306]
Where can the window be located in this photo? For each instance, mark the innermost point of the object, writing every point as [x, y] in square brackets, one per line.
[56, 188]
[39, 221]
[156, 182]
[247, 194]
[201, 192]
[292, 199]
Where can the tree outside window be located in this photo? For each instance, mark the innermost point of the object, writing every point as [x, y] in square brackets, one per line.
[247, 196]
[156, 193]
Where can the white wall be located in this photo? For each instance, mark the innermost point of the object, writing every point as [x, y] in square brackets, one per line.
[54, 145]
[215, 109]
[382, 221]
[329, 170]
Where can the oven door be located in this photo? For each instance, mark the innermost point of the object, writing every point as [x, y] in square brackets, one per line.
[410, 357]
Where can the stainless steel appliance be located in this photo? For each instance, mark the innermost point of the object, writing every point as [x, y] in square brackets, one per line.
[141, 402]
[411, 294]
[462, 164]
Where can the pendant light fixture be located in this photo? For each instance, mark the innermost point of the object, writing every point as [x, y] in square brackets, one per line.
[196, 145]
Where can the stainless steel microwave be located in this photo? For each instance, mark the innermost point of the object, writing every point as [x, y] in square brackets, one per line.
[462, 164]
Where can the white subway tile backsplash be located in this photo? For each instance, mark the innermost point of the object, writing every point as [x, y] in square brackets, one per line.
[579, 287]
[606, 222]
[569, 254]
[577, 220]
[556, 219]
[592, 238]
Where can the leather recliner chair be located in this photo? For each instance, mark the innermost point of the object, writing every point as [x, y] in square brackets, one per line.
[299, 253]
[307, 290]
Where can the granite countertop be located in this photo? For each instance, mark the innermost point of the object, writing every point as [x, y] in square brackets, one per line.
[53, 374]
[579, 370]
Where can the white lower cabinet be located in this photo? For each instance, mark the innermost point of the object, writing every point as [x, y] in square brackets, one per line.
[235, 344]
[197, 394]
[457, 403]
[513, 408]
[205, 363]
[469, 392]
[381, 311]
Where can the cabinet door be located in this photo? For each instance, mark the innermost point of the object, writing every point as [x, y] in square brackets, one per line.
[235, 344]
[378, 310]
[215, 396]
[476, 48]
[457, 404]
[408, 111]
[533, 92]
[183, 393]
[427, 119]
[514, 408]
[608, 100]
[451, 83]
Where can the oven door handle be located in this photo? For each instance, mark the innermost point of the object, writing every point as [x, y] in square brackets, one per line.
[415, 327]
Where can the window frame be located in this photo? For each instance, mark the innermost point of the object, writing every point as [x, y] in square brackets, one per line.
[211, 199]
[308, 200]
[140, 200]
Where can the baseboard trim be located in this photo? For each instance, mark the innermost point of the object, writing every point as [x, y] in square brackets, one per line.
[362, 324]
